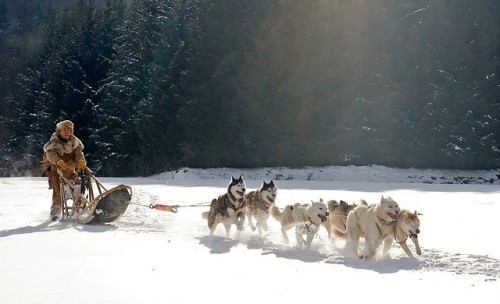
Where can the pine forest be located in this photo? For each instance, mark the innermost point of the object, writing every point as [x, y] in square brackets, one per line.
[157, 85]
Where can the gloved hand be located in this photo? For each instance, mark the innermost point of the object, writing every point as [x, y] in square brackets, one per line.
[81, 164]
[61, 164]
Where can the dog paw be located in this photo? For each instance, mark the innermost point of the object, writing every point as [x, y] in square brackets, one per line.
[364, 257]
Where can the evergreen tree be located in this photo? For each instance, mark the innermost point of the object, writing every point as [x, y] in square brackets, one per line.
[211, 111]
[139, 130]
[455, 129]
[62, 82]
[253, 83]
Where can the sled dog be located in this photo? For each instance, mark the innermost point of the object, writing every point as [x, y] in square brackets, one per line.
[306, 218]
[407, 226]
[337, 217]
[229, 208]
[374, 222]
[258, 204]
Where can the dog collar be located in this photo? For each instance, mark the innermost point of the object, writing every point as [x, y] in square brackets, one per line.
[396, 226]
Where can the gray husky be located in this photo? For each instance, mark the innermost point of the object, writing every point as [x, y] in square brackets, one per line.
[259, 204]
[336, 223]
[229, 208]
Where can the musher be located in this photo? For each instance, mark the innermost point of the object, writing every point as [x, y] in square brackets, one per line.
[63, 151]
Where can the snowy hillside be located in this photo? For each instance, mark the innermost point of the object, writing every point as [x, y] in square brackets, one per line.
[378, 174]
[149, 256]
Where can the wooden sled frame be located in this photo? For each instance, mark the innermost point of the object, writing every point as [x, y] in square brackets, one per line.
[83, 206]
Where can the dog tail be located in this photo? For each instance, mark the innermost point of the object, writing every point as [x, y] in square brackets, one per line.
[286, 216]
[205, 214]
[276, 213]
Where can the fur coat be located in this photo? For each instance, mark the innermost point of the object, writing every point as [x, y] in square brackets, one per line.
[69, 151]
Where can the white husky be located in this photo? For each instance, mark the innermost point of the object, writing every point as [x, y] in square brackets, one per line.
[375, 223]
[306, 218]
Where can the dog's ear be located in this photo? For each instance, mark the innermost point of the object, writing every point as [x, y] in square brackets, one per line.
[333, 203]
[271, 184]
[343, 203]
[320, 200]
[418, 213]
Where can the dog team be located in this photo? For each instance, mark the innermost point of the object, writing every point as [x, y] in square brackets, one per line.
[380, 223]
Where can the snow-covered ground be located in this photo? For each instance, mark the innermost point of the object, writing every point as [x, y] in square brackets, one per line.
[149, 256]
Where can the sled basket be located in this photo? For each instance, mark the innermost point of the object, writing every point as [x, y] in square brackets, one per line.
[86, 200]
[111, 204]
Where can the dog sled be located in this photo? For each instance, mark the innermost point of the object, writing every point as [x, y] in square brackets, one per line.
[86, 200]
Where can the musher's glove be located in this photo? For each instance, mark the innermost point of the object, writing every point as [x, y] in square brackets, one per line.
[61, 164]
[81, 164]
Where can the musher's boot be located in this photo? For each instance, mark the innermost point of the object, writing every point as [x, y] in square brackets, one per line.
[55, 212]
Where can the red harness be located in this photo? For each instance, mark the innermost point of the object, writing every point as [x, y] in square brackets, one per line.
[254, 201]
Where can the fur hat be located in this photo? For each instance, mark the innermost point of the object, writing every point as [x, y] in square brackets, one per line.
[63, 125]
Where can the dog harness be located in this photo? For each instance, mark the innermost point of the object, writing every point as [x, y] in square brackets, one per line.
[395, 236]
[236, 208]
[255, 200]
[381, 235]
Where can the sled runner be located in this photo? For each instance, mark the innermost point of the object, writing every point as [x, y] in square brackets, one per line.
[87, 201]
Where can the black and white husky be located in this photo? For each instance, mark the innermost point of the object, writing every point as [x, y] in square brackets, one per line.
[259, 204]
[229, 208]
